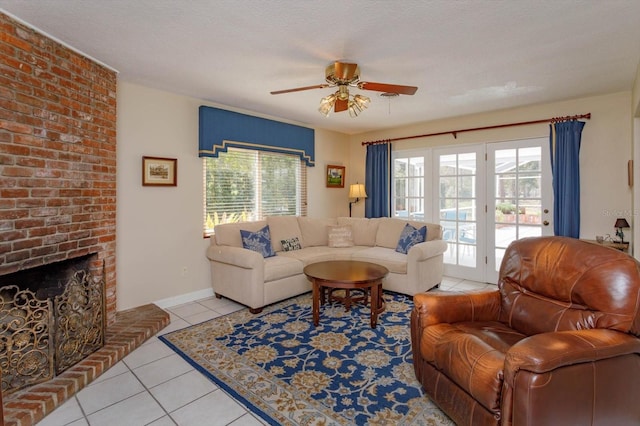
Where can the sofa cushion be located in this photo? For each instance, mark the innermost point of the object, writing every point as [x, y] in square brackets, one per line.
[278, 267]
[434, 230]
[340, 236]
[316, 254]
[314, 231]
[392, 260]
[283, 228]
[258, 241]
[390, 228]
[228, 234]
[291, 244]
[409, 237]
[389, 231]
[363, 230]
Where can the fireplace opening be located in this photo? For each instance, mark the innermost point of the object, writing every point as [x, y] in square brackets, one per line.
[51, 317]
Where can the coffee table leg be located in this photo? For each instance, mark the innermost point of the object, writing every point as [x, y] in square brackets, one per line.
[374, 305]
[316, 303]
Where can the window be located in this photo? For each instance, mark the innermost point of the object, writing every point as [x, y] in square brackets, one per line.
[242, 185]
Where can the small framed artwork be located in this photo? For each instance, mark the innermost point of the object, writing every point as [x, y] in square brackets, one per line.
[158, 171]
[335, 176]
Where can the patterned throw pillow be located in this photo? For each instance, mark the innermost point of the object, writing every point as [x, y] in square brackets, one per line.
[259, 241]
[409, 237]
[291, 244]
[340, 236]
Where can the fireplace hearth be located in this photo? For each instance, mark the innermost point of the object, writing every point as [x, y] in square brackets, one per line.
[51, 317]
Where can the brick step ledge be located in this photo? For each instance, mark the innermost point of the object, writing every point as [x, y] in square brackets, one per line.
[131, 328]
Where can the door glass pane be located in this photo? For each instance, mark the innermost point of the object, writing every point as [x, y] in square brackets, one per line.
[400, 167]
[467, 210]
[506, 185]
[505, 160]
[529, 185]
[447, 165]
[529, 159]
[466, 186]
[467, 164]
[467, 255]
[532, 210]
[447, 187]
[529, 231]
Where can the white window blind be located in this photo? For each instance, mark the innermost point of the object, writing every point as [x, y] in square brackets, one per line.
[242, 185]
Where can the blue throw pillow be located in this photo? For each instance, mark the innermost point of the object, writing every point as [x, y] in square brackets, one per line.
[259, 241]
[409, 237]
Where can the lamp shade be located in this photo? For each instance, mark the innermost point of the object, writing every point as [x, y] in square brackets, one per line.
[356, 190]
[327, 103]
[621, 223]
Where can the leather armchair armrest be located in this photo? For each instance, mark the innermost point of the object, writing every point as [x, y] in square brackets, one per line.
[545, 352]
[439, 307]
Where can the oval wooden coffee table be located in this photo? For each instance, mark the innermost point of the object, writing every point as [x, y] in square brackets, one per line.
[348, 275]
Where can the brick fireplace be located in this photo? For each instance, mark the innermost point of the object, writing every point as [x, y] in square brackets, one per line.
[57, 156]
[58, 190]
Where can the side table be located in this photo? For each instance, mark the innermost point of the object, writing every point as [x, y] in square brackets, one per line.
[623, 247]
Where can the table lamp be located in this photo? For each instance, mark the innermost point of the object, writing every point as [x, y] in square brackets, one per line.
[356, 191]
[621, 223]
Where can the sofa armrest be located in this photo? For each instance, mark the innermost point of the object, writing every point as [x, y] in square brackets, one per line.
[439, 307]
[236, 256]
[545, 352]
[426, 250]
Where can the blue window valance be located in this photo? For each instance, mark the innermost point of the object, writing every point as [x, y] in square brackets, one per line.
[221, 129]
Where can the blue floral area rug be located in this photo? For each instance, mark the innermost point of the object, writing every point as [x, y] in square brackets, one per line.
[289, 372]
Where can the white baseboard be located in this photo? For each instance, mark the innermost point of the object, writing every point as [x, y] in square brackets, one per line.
[184, 298]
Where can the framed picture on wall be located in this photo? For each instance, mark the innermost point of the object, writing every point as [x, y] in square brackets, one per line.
[158, 171]
[335, 176]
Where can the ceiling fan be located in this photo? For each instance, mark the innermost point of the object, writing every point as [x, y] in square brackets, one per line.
[344, 75]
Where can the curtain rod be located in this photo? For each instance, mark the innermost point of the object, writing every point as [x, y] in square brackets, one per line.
[497, 126]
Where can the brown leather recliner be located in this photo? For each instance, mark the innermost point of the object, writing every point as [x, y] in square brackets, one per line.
[556, 344]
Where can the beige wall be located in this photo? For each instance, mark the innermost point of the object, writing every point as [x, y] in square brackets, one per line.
[635, 108]
[605, 150]
[159, 229]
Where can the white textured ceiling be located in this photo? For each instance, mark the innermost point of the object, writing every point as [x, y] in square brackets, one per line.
[465, 56]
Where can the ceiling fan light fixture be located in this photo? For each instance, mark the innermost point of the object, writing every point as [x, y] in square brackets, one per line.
[343, 93]
[327, 103]
[358, 104]
[345, 74]
[362, 101]
[354, 109]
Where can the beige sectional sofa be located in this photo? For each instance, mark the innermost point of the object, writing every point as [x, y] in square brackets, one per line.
[249, 278]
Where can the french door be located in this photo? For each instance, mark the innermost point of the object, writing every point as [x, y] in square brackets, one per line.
[520, 196]
[487, 196]
[458, 179]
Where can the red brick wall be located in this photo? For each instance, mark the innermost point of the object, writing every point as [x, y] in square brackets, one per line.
[57, 156]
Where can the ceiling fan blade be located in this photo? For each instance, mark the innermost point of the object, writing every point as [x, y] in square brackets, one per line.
[388, 88]
[299, 89]
[341, 105]
[345, 70]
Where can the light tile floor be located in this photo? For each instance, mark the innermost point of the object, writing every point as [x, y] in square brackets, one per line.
[155, 386]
